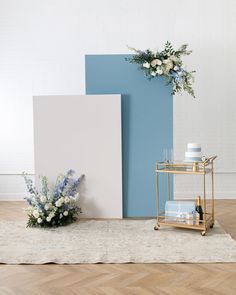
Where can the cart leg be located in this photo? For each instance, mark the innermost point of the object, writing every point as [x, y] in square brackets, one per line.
[156, 227]
[168, 177]
[204, 209]
[212, 194]
[212, 224]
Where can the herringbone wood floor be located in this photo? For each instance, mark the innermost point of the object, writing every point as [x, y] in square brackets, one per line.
[117, 279]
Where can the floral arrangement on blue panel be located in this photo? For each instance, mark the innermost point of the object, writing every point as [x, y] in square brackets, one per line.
[56, 207]
[168, 63]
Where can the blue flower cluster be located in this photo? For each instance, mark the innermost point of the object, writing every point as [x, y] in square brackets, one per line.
[67, 185]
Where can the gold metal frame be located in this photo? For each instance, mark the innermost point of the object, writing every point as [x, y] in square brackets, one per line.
[200, 168]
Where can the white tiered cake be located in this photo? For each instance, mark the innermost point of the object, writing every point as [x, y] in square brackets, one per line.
[194, 152]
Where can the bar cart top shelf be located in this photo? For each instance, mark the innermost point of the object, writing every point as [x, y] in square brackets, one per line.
[182, 167]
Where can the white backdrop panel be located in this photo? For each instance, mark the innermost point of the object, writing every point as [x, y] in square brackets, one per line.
[82, 132]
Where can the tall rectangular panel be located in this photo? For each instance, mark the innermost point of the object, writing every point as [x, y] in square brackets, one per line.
[83, 133]
[147, 126]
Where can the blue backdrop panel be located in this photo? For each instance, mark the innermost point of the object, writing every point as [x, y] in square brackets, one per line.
[147, 127]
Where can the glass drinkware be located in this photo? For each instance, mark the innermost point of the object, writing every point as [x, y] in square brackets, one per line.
[168, 156]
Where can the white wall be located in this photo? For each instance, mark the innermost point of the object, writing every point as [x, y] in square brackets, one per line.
[42, 47]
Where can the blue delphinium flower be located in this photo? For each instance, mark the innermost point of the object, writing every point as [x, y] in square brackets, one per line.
[177, 76]
[73, 185]
[45, 188]
[67, 185]
[30, 188]
[60, 187]
[70, 172]
[173, 74]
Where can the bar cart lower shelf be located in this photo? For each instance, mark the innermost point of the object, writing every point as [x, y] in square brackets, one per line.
[200, 168]
[162, 220]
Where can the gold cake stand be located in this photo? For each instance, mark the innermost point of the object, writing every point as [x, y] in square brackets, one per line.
[196, 168]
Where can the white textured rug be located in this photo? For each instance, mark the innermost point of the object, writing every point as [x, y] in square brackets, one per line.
[112, 241]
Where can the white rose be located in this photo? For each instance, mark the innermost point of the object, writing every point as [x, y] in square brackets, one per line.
[35, 213]
[65, 213]
[166, 61]
[43, 199]
[39, 220]
[176, 68]
[46, 207]
[159, 62]
[48, 219]
[51, 214]
[159, 72]
[62, 200]
[153, 74]
[67, 199]
[146, 65]
[58, 203]
[154, 63]
[168, 67]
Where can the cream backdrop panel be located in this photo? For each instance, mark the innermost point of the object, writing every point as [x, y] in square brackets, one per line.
[82, 132]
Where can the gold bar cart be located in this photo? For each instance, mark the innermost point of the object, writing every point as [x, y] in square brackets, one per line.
[196, 168]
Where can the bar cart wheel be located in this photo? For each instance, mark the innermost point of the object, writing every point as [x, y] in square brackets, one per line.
[203, 233]
[156, 227]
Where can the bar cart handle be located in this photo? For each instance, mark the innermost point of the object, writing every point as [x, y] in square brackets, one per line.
[209, 160]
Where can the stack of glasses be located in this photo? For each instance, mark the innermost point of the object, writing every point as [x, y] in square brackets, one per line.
[182, 211]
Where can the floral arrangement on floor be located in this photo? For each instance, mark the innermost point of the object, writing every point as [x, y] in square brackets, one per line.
[168, 63]
[55, 207]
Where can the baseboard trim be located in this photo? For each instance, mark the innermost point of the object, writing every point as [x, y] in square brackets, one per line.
[13, 196]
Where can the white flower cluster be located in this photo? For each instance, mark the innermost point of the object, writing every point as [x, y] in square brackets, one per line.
[161, 67]
[49, 210]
